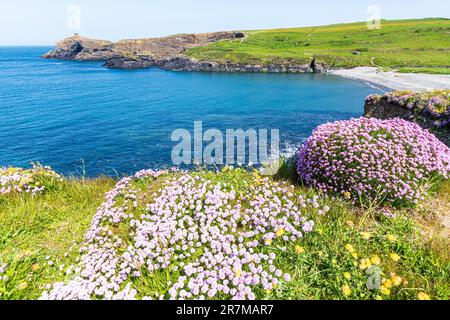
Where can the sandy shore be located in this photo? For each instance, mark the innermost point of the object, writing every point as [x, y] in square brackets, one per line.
[396, 81]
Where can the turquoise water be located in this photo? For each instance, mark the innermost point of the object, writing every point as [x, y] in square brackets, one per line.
[64, 114]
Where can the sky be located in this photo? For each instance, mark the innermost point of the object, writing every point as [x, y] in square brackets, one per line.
[43, 22]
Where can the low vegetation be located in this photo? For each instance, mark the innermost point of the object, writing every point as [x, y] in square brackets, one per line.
[407, 45]
[361, 212]
[343, 251]
[36, 232]
[374, 161]
[435, 103]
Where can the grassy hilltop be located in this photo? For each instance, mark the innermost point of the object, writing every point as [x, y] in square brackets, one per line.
[407, 45]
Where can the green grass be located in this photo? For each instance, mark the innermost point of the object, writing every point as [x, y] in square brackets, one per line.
[54, 223]
[49, 225]
[423, 44]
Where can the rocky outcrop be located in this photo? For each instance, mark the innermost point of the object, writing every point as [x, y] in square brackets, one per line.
[381, 109]
[82, 49]
[130, 62]
[181, 63]
[165, 53]
[184, 63]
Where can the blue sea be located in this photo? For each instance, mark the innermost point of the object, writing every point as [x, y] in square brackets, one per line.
[81, 117]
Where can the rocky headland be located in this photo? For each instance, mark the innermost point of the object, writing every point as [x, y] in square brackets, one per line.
[165, 53]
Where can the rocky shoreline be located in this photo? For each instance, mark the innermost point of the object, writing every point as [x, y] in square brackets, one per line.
[184, 63]
[165, 53]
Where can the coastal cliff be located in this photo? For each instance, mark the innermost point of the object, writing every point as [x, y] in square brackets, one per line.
[165, 53]
[429, 109]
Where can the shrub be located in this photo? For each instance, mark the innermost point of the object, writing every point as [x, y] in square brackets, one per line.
[370, 159]
[34, 180]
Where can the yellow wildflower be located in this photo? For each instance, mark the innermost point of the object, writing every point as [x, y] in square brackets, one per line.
[19, 256]
[355, 255]
[23, 285]
[423, 296]
[365, 263]
[384, 290]
[238, 273]
[391, 237]
[280, 232]
[268, 242]
[347, 195]
[350, 223]
[349, 248]
[387, 283]
[394, 257]
[396, 280]
[35, 267]
[346, 290]
[299, 249]
[365, 235]
[347, 275]
[375, 260]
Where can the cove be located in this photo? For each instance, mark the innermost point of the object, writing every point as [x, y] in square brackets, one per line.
[79, 117]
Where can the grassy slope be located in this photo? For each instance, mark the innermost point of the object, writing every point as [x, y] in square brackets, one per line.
[34, 227]
[398, 44]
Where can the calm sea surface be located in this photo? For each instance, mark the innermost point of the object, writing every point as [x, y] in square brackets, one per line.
[64, 114]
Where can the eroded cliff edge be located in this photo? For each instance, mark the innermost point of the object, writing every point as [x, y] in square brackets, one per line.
[164, 52]
[429, 109]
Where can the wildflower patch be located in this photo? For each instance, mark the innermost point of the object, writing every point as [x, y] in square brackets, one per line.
[371, 160]
[33, 181]
[175, 235]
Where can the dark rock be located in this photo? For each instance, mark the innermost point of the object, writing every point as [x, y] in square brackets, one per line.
[382, 109]
[129, 63]
[239, 35]
[80, 48]
[184, 63]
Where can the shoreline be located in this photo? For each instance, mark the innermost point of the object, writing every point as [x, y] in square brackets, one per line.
[394, 80]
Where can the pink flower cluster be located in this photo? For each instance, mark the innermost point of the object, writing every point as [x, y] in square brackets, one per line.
[367, 158]
[209, 239]
[16, 180]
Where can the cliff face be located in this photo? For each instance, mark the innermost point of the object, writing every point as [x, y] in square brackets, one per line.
[135, 53]
[81, 48]
[165, 53]
[395, 105]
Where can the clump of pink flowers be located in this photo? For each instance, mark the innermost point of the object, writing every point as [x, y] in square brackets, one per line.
[33, 181]
[369, 159]
[193, 235]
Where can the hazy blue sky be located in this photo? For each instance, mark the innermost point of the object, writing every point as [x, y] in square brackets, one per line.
[45, 21]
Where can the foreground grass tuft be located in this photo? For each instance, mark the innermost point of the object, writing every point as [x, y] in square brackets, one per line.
[37, 231]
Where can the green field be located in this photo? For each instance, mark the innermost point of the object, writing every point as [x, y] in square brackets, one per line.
[405, 44]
